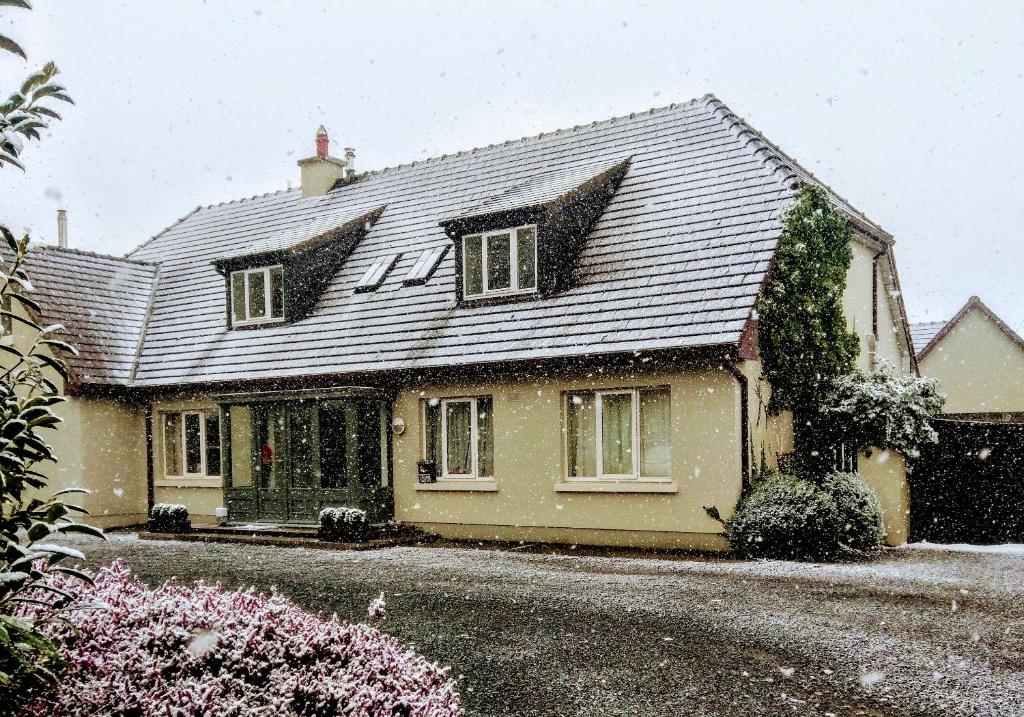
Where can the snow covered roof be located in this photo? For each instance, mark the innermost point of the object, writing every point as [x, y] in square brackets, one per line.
[927, 336]
[674, 262]
[100, 300]
[922, 333]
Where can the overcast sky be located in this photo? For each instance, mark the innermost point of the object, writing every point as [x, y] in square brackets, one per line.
[915, 114]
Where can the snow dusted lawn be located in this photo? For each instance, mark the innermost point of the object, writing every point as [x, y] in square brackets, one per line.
[919, 631]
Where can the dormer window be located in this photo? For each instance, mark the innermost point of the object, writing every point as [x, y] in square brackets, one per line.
[257, 296]
[500, 262]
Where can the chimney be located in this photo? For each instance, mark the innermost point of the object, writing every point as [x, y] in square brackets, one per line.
[350, 162]
[62, 228]
[321, 171]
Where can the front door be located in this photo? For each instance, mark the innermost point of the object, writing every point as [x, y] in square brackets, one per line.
[290, 459]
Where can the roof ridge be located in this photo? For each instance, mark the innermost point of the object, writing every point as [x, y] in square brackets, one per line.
[163, 231]
[785, 162]
[693, 101]
[450, 155]
[86, 252]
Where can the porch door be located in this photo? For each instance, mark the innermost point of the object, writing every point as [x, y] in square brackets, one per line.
[291, 459]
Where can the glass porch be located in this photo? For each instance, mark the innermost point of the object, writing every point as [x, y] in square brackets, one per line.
[289, 457]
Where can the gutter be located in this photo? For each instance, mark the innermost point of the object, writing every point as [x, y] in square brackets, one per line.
[744, 384]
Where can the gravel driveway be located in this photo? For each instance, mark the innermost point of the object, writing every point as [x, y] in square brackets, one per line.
[915, 632]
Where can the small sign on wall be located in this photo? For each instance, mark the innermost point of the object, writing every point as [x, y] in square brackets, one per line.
[427, 471]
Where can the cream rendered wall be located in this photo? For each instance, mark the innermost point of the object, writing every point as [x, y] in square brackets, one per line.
[100, 446]
[980, 368]
[890, 345]
[529, 498]
[886, 473]
[200, 495]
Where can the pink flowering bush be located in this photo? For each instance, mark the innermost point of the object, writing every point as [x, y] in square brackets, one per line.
[200, 651]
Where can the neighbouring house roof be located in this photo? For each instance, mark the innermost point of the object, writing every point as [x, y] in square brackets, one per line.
[675, 260]
[922, 333]
[100, 300]
[928, 335]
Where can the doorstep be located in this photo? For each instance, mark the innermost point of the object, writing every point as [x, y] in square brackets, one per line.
[292, 536]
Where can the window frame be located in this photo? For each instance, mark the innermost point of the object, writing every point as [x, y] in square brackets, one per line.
[268, 298]
[202, 415]
[514, 288]
[600, 476]
[474, 437]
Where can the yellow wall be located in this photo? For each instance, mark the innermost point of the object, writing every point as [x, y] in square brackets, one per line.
[890, 344]
[980, 368]
[527, 498]
[886, 473]
[101, 446]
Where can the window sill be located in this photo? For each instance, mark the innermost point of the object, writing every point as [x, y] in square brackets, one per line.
[601, 486]
[172, 482]
[472, 485]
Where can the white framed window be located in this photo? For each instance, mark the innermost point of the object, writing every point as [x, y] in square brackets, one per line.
[499, 262]
[459, 437]
[257, 296]
[191, 442]
[618, 434]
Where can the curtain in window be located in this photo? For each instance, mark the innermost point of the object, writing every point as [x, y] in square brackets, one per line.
[459, 438]
[526, 249]
[617, 433]
[172, 444]
[581, 426]
[193, 444]
[212, 443]
[655, 433]
[485, 437]
[257, 295]
[238, 296]
[499, 261]
[474, 265]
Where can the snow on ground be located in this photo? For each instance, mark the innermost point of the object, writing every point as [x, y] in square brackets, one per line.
[1004, 549]
[573, 632]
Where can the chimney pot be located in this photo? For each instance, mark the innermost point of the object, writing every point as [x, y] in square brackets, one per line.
[322, 142]
[62, 228]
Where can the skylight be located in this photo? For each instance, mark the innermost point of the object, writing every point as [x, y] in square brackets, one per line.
[377, 272]
[425, 266]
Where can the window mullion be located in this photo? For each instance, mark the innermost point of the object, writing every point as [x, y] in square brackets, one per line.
[202, 443]
[513, 260]
[181, 446]
[473, 437]
[636, 432]
[599, 433]
[245, 296]
[483, 261]
[267, 299]
[444, 438]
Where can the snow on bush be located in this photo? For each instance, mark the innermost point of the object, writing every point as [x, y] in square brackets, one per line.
[203, 652]
[785, 517]
[887, 409]
[860, 512]
[346, 525]
[169, 518]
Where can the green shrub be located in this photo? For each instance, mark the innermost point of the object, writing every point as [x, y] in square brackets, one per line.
[860, 512]
[785, 517]
[169, 518]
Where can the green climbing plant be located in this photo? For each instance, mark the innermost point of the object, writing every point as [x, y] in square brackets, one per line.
[805, 344]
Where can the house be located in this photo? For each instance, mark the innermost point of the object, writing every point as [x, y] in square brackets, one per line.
[978, 361]
[552, 339]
